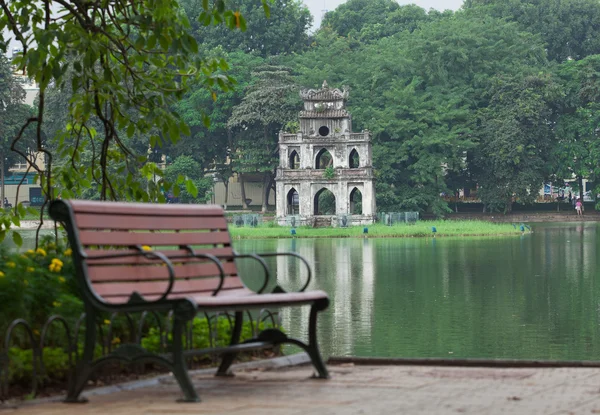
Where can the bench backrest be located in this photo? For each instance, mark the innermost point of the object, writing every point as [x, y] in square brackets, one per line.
[105, 228]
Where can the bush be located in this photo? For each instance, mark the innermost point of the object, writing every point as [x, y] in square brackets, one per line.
[36, 285]
[202, 335]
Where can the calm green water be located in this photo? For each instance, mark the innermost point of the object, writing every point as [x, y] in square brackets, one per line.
[535, 296]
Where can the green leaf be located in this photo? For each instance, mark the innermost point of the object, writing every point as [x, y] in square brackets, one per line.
[15, 220]
[266, 8]
[130, 130]
[17, 239]
[191, 188]
[22, 210]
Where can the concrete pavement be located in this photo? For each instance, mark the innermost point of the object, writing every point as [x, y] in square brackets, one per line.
[357, 389]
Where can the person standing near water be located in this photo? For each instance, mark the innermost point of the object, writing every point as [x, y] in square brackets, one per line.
[578, 207]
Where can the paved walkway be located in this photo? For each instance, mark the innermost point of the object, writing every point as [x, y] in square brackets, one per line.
[359, 390]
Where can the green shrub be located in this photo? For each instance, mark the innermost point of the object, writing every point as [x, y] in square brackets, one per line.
[201, 334]
[36, 285]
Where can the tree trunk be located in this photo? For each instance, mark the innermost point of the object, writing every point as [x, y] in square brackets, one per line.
[580, 183]
[244, 204]
[226, 184]
[267, 187]
[265, 191]
[2, 179]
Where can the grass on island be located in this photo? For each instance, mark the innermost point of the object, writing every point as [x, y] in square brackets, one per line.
[401, 230]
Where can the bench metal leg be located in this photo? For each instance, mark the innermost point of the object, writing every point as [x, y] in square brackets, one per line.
[228, 358]
[313, 347]
[179, 366]
[83, 368]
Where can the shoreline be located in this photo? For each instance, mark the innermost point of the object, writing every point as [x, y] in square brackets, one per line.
[533, 217]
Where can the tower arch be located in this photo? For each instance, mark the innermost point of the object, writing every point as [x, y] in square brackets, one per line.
[324, 202]
[294, 160]
[354, 159]
[323, 159]
[293, 202]
[355, 200]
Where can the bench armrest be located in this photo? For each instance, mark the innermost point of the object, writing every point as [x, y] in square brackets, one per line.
[140, 252]
[210, 257]
[262, 263]
[295, 255]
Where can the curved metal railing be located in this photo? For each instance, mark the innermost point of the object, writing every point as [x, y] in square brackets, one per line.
[110, 335]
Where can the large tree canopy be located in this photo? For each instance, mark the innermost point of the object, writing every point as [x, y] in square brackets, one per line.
[354, 14]
[128, 64]
[13, 113]
[570, 28]
[285, 31]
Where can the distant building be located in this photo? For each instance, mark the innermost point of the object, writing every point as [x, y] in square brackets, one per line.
[325, 170]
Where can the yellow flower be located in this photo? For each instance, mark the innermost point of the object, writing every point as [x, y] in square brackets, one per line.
[68, 252]
[30, 269]
[62, 280]
[2, 275]
[55, 265]
[40, 251]
[106, 322]
[30, 252]
[116, 340]
[51, 246]
[56, 304]
[146, 248]
[11, 264]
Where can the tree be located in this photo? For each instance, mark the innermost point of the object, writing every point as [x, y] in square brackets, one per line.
[430, 84]
[268, 105]
[570, 28]
[578, 148]
[130, 62]
[516, 136]
[286, 30]
[354, 14]
[186, 168]
[13, 114]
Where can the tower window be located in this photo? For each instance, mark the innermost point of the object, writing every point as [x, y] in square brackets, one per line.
[324, 131]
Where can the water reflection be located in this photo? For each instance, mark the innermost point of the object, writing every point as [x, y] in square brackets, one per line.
[533, 296]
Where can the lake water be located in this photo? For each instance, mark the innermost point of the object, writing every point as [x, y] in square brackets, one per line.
[535, 296]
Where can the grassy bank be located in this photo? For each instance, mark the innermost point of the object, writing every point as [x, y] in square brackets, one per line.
[420, 229]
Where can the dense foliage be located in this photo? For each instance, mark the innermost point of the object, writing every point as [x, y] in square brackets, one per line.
[500, 95]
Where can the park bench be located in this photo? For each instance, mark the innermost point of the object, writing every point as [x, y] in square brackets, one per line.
[177, 259]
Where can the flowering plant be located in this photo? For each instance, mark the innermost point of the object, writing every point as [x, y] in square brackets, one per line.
[36, 284]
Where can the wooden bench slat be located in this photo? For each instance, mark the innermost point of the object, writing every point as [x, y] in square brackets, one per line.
[152, 239]
[187, 287]
[225, 252]
[144, 208]
[236, 298]
[149, 222]
[98, 273]
[231, 292]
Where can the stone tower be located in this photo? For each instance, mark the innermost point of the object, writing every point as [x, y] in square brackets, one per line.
[325, 170]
